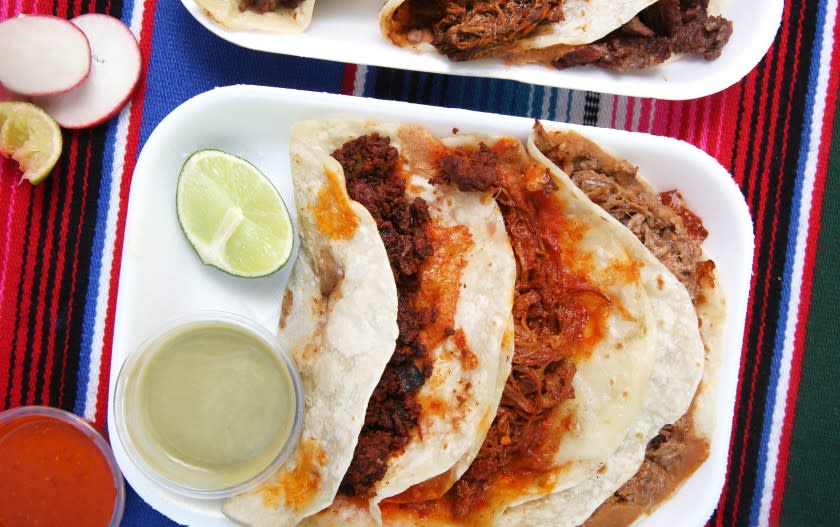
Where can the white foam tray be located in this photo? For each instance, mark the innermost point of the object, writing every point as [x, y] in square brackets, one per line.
[161, 278]
[348, 31]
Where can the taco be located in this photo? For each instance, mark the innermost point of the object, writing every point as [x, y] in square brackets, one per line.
[636, 480]
[606, 342]
[398, 315]
[282, 16]
[620, 35]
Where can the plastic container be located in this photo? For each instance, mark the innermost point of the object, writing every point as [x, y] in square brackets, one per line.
[178, 457]
[27, 434]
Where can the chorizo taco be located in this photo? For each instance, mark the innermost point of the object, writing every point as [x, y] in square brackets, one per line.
[398, 315]
[620, 35]
[607, 349]
[281, 16]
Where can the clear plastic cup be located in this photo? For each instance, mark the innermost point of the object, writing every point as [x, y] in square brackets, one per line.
[139, 438]
[15, 420]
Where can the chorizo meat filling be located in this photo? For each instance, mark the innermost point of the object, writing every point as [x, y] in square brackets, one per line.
[370, 168]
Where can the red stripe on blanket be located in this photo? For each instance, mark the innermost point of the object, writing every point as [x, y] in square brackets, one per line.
[48, 282]
[696, 111]
[731, 108]
[644, 116]
[717, 129]
[10, 258]
[12, 351]
[348, 83]
[741, 109]
[129, 160]
[21, 346]
[807, 279]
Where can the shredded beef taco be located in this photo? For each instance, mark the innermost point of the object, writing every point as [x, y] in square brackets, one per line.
[413, 396]
[593, 361]
[640, 477]
[616, 34]
[282, 16]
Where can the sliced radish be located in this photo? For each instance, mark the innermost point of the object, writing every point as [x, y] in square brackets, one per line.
[42, 55]
[114, 72]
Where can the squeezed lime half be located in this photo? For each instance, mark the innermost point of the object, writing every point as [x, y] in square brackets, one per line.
[232, 215]
[31, 137]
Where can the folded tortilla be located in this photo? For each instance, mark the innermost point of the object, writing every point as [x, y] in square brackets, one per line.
[583, 21]
[637, 361]
[638, 371]
[640, 475]
[615, 34]
[281, 20]
[339, 327]
[341, 310]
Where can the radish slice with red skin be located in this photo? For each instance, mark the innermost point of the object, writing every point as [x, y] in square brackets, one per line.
[42, 54]
[114, 72]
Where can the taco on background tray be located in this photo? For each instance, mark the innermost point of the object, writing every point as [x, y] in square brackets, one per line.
[616, 34]
[282, 16]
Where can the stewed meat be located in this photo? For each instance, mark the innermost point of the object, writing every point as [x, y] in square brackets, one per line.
[267, 6]
[370, 169]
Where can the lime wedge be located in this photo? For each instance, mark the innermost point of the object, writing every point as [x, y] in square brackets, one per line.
[31, 137]
[232, 215]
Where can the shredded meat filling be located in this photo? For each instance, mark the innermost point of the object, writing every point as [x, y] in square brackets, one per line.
[548, 320]
[659, 31]
[369, 164]
[267, 6]
[662, 222]
[673, 233]
[473, 29]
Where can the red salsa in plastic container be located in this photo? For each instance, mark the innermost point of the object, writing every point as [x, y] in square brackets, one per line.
[54, 467]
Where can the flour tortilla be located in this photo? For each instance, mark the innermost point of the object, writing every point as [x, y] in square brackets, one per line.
[449, 440]
[585, 21]
[573, 506]
[678, 348]
[283, 20]
[340, 328]
[466, 392]
[611, 386]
